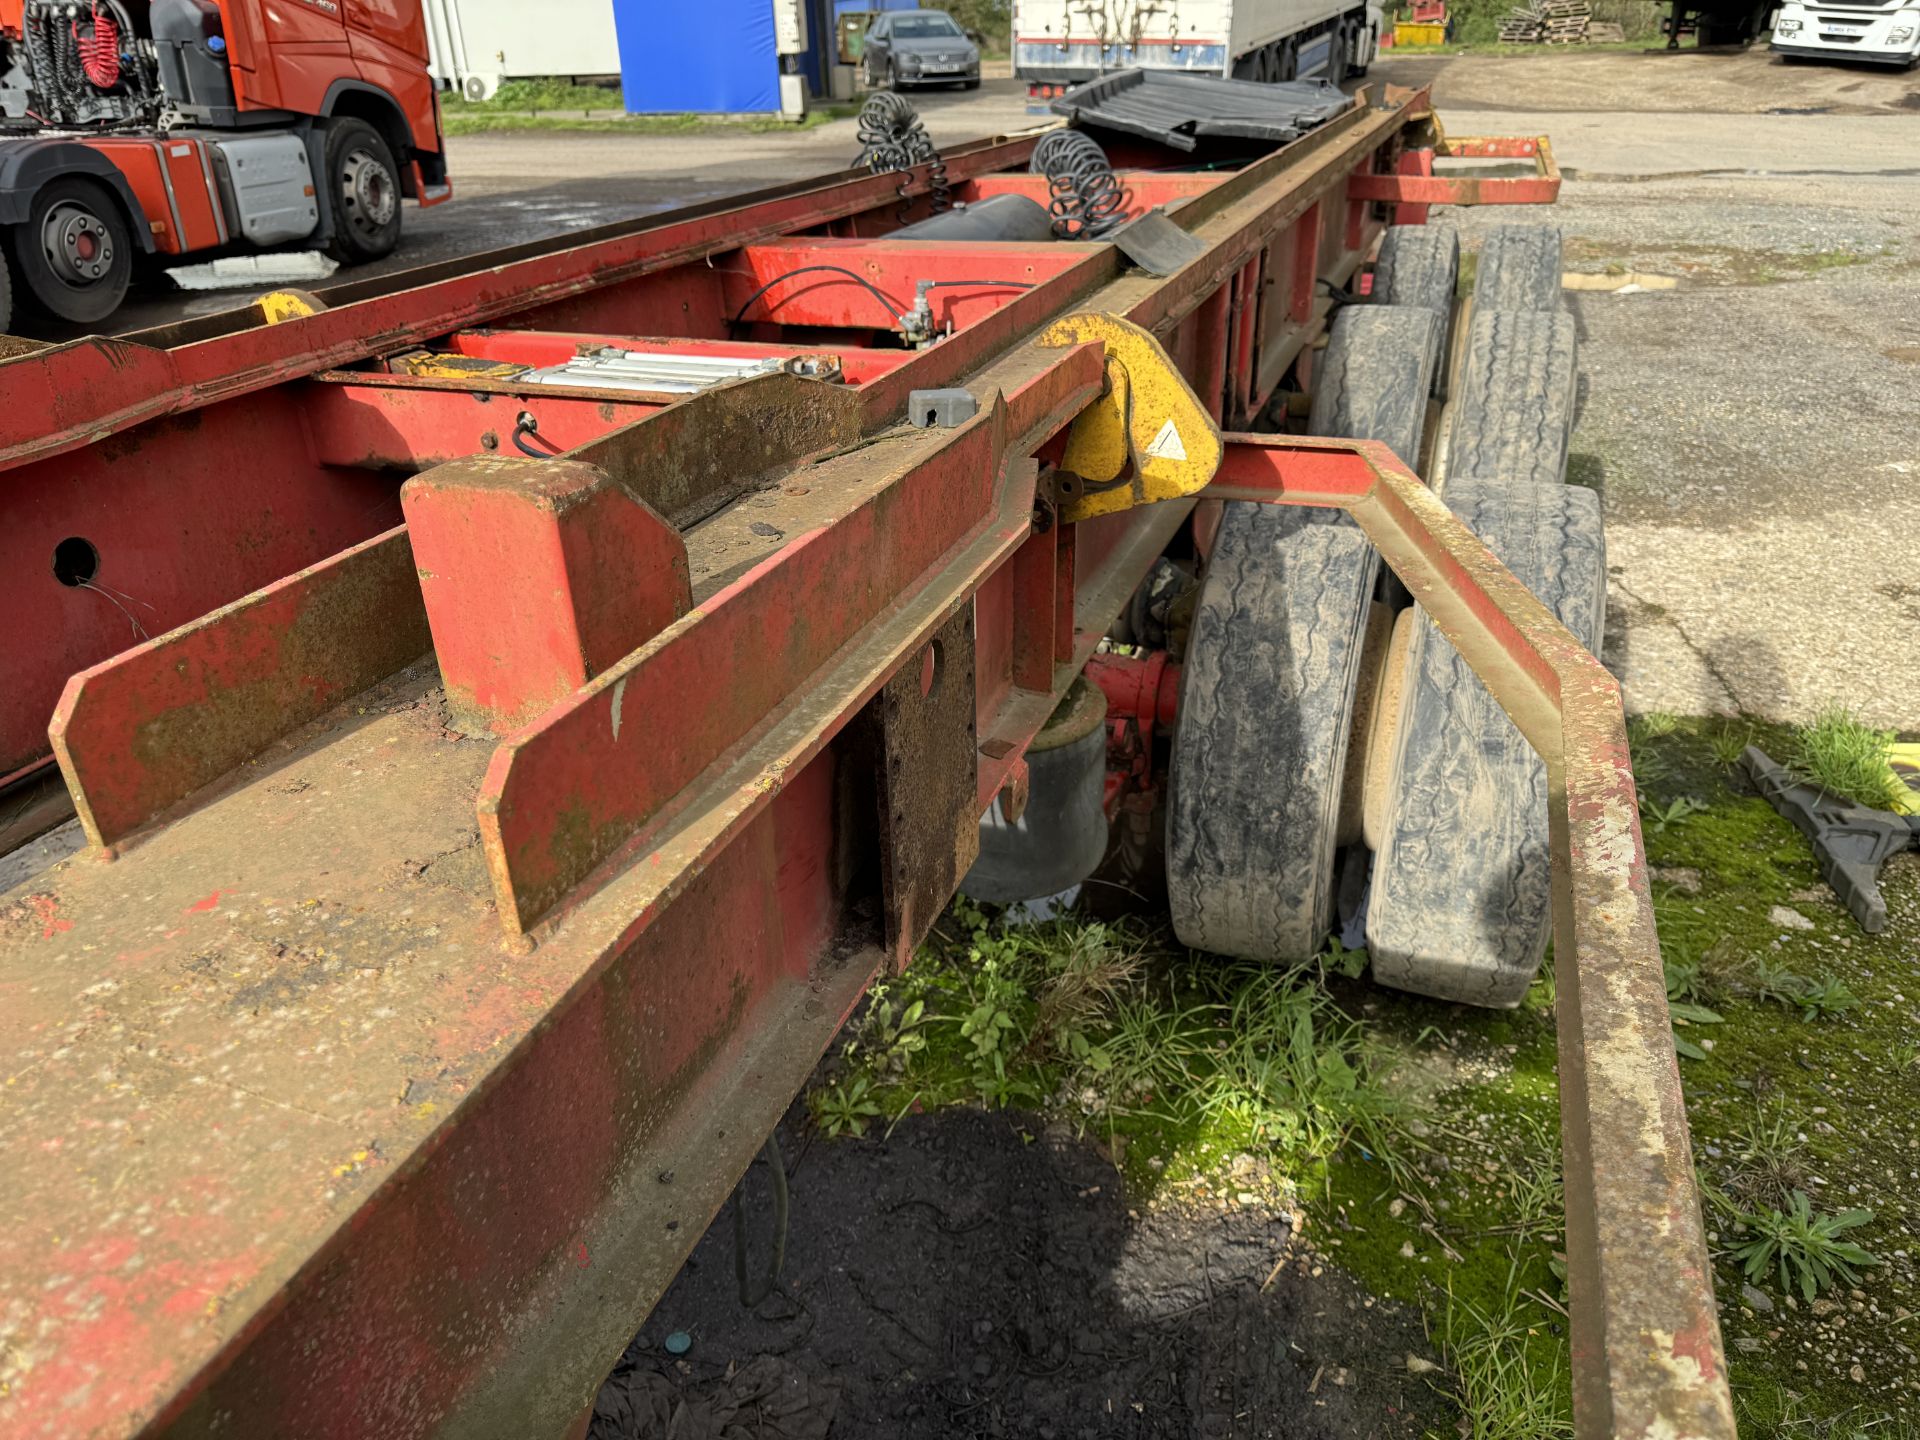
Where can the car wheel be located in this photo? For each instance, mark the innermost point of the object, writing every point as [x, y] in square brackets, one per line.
[74, 253]
[893, 77]
[363, 182]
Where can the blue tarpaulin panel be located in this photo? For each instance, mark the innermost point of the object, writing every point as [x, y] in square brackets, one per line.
[712, 58]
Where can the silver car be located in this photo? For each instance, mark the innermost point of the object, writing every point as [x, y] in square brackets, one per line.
[920, 47]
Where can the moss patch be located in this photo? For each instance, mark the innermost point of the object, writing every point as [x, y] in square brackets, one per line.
[1717, 265]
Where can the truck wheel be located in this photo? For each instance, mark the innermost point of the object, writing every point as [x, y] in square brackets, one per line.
[1514, 405]
[1419, 265]
[1375, 375]
[364, 184]
[1519, 269]
[73, 252]
[1272, 671]
[1462, 894]
[6, 295]
[1339, 46]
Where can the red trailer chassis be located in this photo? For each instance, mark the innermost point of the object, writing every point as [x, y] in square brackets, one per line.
[485, 886]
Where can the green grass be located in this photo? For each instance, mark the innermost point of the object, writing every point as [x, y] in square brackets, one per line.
[1846, 758]
[561, 105]
[1173, 1061]
[1503, 1391]
[1422, 1139]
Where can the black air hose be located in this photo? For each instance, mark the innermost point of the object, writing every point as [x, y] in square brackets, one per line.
[893, 137]
[1087, 200]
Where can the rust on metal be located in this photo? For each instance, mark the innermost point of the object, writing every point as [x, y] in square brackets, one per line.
[537, 575]
[299, 1148]
[689, 459]
[1540, 188]
[145, 730]
[929, 830]
[1647, 1356]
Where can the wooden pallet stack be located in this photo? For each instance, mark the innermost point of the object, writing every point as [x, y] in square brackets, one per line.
[1565, 22]
[1524, 24]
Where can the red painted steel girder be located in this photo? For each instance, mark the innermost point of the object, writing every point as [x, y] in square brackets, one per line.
[191, 511]
[55, 398]
[332, 1058]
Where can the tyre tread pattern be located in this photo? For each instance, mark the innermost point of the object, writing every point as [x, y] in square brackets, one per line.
[1462, 886]
[1515, 404]
[1419, 265]
[1519, 269]
[1272, 670]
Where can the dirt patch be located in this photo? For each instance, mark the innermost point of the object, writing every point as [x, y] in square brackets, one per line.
[983, 1275]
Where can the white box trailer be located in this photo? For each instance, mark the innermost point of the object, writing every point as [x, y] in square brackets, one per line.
[1058, 43]
[475, 45]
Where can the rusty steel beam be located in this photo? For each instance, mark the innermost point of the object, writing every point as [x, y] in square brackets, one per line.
[566, 794]
[140, 733]
[1416, 185]
[1648, 1362]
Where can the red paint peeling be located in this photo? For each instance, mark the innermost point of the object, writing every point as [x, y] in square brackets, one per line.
[580, 1254]
[47, 907]
[1696, 1343]
[200, 907]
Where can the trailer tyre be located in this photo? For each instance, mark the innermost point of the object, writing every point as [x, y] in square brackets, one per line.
[1419, 265]
[1519, 269]
[1462, 874]
[1514, 403]
[73, 252]
[364, 184]
[1375, 376]
[1272, 673]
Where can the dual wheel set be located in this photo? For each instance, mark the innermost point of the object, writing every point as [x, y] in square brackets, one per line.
[1335, 757]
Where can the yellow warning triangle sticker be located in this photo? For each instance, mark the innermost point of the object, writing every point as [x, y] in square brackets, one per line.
[1167, 444]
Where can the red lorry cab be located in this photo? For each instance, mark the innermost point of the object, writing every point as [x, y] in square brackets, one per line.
[142, 128]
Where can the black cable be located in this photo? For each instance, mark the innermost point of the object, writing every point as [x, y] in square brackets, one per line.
[893, 310]
[893, 137]
[777, 1262]
[526, 426]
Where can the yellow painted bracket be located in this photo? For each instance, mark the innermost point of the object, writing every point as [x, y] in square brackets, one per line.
[431, 366]
[282, 305]
[1147, 438]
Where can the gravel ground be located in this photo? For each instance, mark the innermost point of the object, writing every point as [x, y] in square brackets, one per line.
[1752, 431]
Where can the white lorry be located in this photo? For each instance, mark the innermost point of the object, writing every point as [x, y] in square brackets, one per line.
[1885, 32]
[1060, 43]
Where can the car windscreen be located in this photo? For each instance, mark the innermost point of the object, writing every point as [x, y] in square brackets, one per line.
[924, 27]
